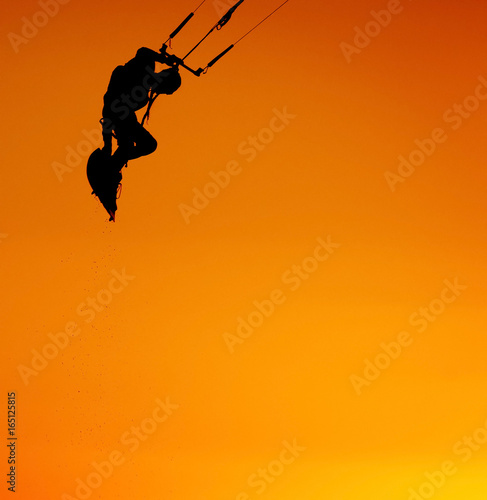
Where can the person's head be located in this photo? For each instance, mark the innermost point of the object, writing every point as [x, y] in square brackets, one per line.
[168, 81]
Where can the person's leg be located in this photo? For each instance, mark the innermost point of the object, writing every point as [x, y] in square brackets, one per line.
[133, 140]
[107, 131]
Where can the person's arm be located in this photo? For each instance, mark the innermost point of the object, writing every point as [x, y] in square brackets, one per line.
[152, 55]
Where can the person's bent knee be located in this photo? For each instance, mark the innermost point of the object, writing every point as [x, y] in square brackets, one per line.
[150, 146]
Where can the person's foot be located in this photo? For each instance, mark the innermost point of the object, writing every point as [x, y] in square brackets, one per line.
[113, 190]
[110, 189]
[115, 183]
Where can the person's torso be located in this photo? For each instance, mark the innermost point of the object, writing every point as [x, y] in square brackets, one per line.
[128, 88]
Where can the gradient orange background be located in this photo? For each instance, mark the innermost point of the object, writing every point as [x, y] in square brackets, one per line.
[323, 175]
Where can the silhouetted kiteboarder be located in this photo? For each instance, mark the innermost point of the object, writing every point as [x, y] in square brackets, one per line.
[132, 87]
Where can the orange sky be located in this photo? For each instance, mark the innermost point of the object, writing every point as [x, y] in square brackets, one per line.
[159, 301]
